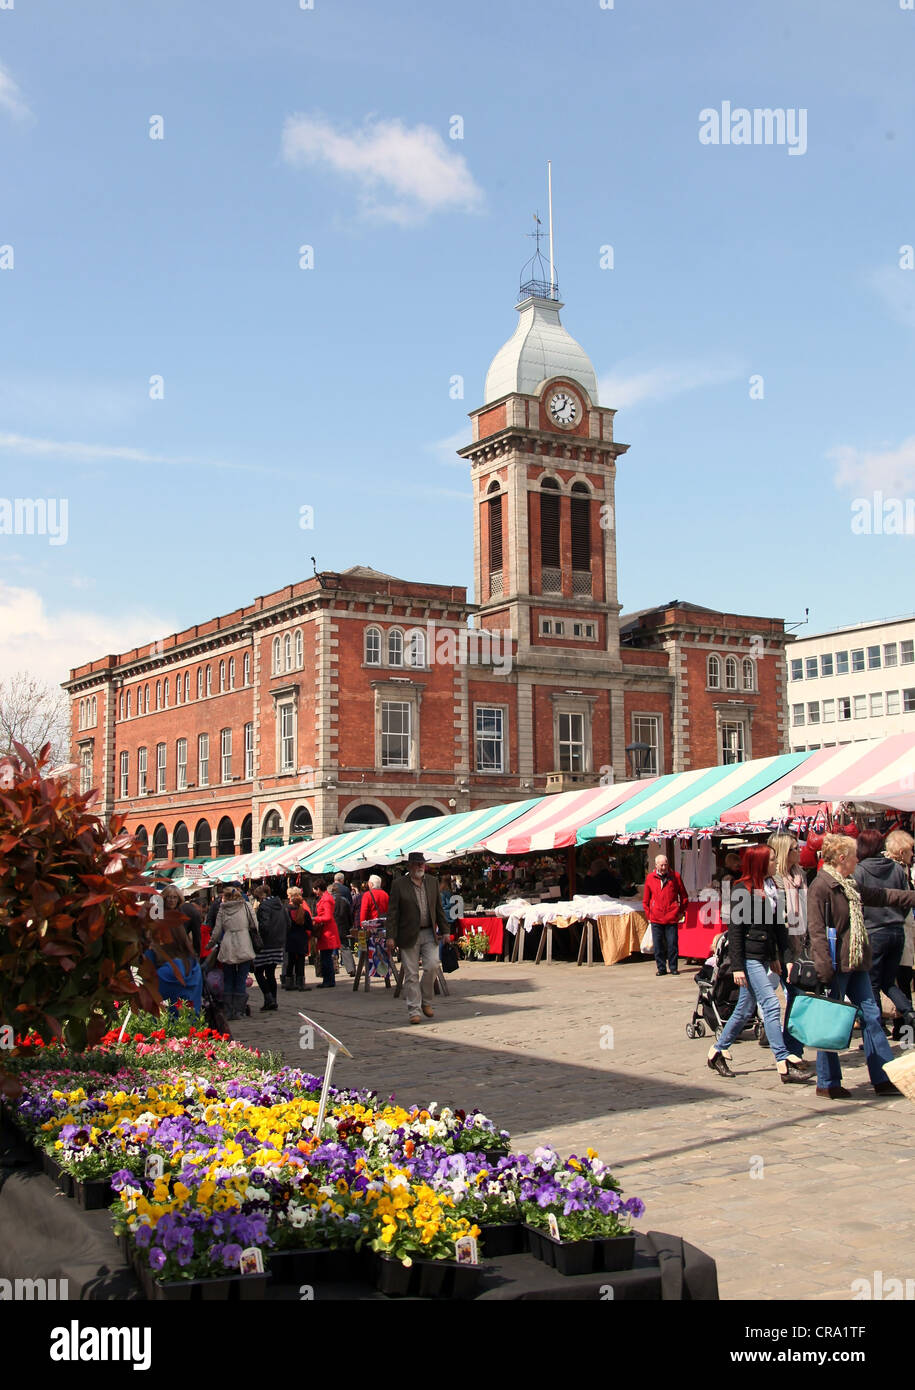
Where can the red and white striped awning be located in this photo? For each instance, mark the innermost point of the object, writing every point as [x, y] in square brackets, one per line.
[872, 770]
[554, 822]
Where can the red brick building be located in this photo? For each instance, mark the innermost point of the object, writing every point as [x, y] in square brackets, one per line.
[355, 698]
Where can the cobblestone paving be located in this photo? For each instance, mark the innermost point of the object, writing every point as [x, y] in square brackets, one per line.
[599, 1056]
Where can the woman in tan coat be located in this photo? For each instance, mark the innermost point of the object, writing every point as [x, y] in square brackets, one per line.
[836, 902]
[236, 937]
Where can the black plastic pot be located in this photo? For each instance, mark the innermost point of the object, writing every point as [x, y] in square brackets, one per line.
[603, 1254]
[313, 1266]
[94, 1194]
[426, 1278]
[63, 1179]
[231, 1288]
[502, 1238]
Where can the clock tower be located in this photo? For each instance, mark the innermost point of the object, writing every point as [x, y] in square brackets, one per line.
[543, 469]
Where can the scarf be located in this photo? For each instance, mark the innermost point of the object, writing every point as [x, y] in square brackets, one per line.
[857, 939]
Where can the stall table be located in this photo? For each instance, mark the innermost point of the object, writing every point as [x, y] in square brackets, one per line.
[492, 926]
[621, 935]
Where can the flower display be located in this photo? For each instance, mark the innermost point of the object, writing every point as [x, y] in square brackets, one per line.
[242, 1164]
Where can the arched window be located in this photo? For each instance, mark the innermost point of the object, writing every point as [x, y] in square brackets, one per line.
[244, 846]
[225, 837]
[424, 813]
[287, 652]
[81, 715]
[141, 836]
[299, 651]
[187, 686]
[246, 668]
[146, 701]
[366, 816]
[301, 825]
[231, 672]
[550, 562]
[276, 655]
[158, 694]
[160, 842]
[199, 682]
[178, 690]
[749, 675]
[127, 706]
[730, 673]
[395, 648]
[180, 841]
[222, 676]
[202, 840]
[372, 646]
[416, 650]
[272, 831]
[714, 673]
[120, 706]
[165, 691]
[94, 710]
[209, 680]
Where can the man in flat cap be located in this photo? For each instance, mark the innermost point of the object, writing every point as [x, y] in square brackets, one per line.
[415, 915]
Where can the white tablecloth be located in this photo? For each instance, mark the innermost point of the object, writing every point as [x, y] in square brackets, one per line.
[520, 913]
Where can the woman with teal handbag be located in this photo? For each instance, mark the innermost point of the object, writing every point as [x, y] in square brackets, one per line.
[835, 902]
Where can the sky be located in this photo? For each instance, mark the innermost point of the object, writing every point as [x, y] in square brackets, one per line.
[190, 381]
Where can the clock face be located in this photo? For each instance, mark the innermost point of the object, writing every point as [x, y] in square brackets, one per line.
[564, 408]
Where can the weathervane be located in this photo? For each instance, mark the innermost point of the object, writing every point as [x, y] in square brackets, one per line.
[537, 278]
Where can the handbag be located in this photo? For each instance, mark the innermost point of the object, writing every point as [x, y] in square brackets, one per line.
[257, 940]
[820, 1022]
[450, 961]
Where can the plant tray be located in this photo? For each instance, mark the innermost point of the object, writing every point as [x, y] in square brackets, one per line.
[604, 1254]
[426, 1278]
[63, 1179]
[233, 1288]
[313, 1266]
[502, 1238]
[94, 1194]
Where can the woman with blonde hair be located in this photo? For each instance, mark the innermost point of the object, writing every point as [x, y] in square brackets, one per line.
[791, 885]
[835, 903]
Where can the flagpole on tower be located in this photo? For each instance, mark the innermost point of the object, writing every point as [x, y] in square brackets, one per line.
[549, 180]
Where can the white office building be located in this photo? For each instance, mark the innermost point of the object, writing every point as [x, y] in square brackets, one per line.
[852, 684]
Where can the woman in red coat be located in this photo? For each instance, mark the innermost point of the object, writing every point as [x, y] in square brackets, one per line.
[327, 936]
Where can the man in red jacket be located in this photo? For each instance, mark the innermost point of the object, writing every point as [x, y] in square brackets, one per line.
[664, 904]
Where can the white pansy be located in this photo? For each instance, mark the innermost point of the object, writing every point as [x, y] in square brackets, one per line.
[327, 1189]
[399, 1180]
[368, 1134]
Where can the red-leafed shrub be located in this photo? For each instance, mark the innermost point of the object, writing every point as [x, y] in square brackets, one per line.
[73, 921]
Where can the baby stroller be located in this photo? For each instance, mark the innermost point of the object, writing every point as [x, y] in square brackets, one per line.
[718, 996]
[211, 1001]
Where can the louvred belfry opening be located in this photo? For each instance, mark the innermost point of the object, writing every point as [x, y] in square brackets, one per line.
[495, 544]
[581, 542]
[550, 563]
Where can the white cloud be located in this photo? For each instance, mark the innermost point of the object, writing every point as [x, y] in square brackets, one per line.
[890, 469]
[402, 174]
[627, 387]
[444, 449]
[48, 644]
[30, 447]
[11, 99]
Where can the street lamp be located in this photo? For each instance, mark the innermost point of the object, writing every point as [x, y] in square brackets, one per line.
[639, 757]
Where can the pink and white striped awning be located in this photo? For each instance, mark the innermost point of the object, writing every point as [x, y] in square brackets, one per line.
[872, 770]
[884, 775]
[555, 821]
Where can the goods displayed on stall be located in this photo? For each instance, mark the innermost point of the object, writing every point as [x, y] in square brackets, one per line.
[221, 1174]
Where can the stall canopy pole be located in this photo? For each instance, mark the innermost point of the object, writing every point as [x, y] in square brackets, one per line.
[570, 869]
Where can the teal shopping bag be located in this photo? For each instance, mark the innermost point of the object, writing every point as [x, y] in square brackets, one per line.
[816, 1021]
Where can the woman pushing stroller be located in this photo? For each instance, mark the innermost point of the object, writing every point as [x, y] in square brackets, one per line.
[757, 939]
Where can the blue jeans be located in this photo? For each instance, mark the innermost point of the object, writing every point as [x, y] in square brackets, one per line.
[665, 940]
[856, 987]
[887, 946]
[234, 978]
[757, 991]
[795, 1048]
